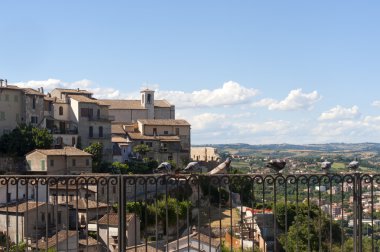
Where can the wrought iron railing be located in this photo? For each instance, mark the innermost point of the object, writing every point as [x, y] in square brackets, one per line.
[255, 212]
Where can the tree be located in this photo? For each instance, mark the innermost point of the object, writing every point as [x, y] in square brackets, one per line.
[96, 150]
[118, 167]
[141, 149]
[23, 139]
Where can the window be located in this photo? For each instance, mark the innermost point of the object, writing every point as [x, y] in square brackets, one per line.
[6, 97]
[42, 165]
[60, 110]
[100, 131]
[90, 113]
[177, 131]
[166, 132]
[148, 100]
[59, 217]
[84, 112]
[87, 162]
[34, 119]
[16, 98]
[98, 113]
[52, 162]
[154, 131]
[2, 116]
[74, 162]
[34, 103]
[43, 217]
[90, 131]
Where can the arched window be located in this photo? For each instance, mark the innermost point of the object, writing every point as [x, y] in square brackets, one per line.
[148, 99]
[60, 110]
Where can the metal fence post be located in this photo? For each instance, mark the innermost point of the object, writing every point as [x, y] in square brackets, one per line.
[357, 220]
[122, 242]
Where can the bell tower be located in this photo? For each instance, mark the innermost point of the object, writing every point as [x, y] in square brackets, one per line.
[147, 102]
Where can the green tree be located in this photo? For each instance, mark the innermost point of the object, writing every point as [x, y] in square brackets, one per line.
[96, 150]
[23, 139]
[118, 167]
[141, 149]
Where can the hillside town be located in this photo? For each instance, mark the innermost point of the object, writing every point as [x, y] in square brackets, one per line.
[53, 198]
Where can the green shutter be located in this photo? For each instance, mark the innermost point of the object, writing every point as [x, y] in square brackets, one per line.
[42, 165]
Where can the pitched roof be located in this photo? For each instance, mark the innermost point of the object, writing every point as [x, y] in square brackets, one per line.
[85, 99]
[143, 248]
[166, 122]
[84, 204]
[22, 207]
[32, 91]
[67, 151]
[78, 91]
[117, 139]
[197, 237]
[10, 87]
[113, 219]
[89, 241]
[117, 129]
[133, 104]
[52, 241]
[139, 136]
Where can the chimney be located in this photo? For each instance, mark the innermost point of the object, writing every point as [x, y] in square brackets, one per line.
[6, 83]
[42, 90]
[1, 82]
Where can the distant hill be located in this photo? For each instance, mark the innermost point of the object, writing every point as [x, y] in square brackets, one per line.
[244, 149]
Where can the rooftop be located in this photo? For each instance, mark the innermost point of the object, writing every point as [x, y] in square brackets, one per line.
[132, 104]
[67, 151]
[165, 122]
[21, 207]
[113, 219]
[52, 241]
[139, 136]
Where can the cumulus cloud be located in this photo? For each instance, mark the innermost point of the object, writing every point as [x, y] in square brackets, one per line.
[376, 104]
[50, 84]
[207, 120]
[340, 113]
[277, 127]
[231, 93]
[295, 100]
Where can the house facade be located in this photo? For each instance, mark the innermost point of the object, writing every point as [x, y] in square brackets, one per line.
[68, 161]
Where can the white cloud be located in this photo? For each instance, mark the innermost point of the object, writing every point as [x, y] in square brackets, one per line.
[207, 120]
[277, 127]
[231, 93]
[50, 84]
[294, 101]
[376, 104]
[340, 113]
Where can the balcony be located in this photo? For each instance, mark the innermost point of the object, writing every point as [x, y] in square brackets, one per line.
[255, 212]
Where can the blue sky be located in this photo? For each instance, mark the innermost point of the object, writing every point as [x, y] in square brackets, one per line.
[239, 71]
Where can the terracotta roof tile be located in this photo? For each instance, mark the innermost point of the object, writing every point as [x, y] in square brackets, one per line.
[67, 151]
[85, 99]
[117, 139]
[143, 248]
[133, 104]
[90, 241]
[113, 219]
[166, 122]
[138, 136]
[84, 204]
[73, 91]
[52, 241]
[32, 92]
[117, 129]
[22, 207]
